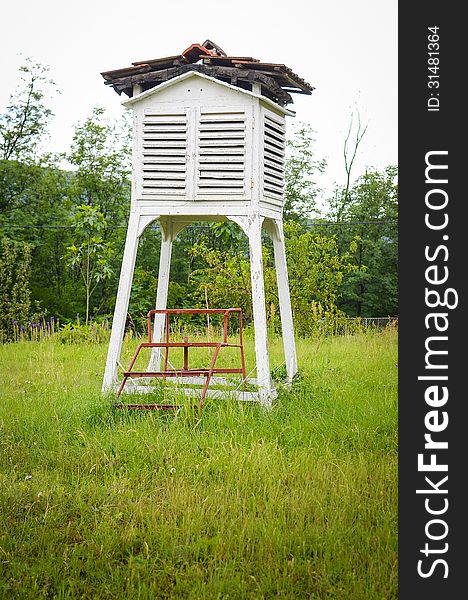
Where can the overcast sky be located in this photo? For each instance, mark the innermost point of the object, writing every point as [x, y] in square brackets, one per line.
[347, 50]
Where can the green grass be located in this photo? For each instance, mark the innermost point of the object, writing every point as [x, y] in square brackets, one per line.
[300, 502]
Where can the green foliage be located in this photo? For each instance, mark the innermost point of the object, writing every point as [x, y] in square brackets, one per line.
[300, 169]
[223, 280]
[316, 269]
[227, 235]
[33, 191]
[100, 181]
[91, 257]
[100, 153]
[143, 297]
[33, 196]
[93, 333]
[24, 123]
[29, 182]
[17, 182]
[350, 270]
[372, 291]
[15, 294]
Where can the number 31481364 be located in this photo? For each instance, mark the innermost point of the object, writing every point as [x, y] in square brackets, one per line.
[433, 57]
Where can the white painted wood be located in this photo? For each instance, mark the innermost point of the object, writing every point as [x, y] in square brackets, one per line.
[252, 226]
[121, 304]
[197, 211]
[275, 229]
[163, 87]
[162, 291]
[169, 231]
[207, 150]
[239, 395]
[210, 393]
[257, 88]
[143, 223]
[221, 133]
[164, 150]
[216, 380]
[201, 129]
[274, 142]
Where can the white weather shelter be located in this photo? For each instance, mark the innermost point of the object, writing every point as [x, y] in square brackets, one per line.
[206, 149]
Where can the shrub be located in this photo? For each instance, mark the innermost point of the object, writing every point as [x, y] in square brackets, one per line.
[93, 333]
[15, 294]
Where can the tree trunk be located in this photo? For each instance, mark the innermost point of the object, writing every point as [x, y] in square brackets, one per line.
[87, 305]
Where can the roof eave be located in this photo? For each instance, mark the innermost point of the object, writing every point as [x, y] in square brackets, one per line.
[146, 94]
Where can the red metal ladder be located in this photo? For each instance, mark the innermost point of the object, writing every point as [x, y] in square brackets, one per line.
[186, 371]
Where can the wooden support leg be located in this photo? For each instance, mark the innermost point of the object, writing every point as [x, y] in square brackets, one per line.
[253, 228]
[121, 304]
[275, 228]
[265, 384]
[161, 296]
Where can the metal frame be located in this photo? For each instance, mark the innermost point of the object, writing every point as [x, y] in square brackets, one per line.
[186, 371]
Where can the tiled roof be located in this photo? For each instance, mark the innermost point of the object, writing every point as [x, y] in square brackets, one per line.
[277, 80]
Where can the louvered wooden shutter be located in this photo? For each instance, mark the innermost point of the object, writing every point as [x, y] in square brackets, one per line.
[164, 170]
[221, 153]
[273, 159]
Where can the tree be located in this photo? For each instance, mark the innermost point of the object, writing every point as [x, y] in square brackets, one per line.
[222, 279]
[23, 126]
[91, 257]
[316, 270]
[25, 121]
[100, 153]
[33, 190]
[369, 213]
[350, 152]
[300, 168]
[15, 294]
[366, 211]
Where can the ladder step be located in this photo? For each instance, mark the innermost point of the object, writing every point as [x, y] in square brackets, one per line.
[202, 380]
[180, 372]
[147, 406]
[240, 395]
[206, 374]
[234, 394]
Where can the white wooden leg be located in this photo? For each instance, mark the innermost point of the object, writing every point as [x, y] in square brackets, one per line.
[265, 385]
[161, 295]
[253, 228]
[275, 229]
[121, 304]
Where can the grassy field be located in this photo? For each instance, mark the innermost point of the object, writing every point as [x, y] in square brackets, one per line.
[300, 502]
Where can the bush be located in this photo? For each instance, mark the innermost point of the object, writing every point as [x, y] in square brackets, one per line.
[15, 294]
[94, 333]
